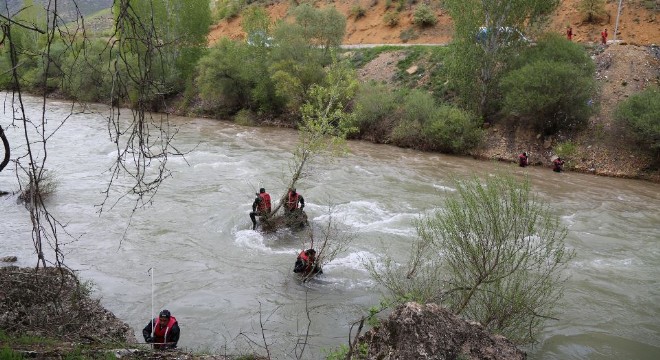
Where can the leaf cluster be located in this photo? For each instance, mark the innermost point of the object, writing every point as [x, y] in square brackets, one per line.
[640, 113]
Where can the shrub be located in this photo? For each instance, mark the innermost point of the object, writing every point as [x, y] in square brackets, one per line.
[423, 16]
[641, 114]
[551, 95]
[407, 35]
[374, 107]
[391, 18]
[592, 10]
[452, 130]
[493, 253]
[358, 11]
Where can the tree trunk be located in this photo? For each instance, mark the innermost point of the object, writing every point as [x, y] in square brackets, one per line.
[5, 142]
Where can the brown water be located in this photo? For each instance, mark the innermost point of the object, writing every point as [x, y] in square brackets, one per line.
[220, 279]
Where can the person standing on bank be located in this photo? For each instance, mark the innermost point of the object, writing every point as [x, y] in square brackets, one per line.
[603, 37]
[523, 160]
[557, 164]
[260, 207]
[569, 33]
[162, 332]
[293, 199]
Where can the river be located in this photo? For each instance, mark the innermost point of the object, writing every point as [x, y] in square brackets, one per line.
[225, 282]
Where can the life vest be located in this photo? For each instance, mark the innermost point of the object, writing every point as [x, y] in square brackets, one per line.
[292, 204]
[306, 262]
[264, 204]
[556, 165]
[160, 334]
[522, 160]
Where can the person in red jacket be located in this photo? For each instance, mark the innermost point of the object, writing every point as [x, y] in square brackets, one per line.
[569, 33]
[162, 332]
[306, 263]
[603, 36]
[557, 164]
[260, 207]
[292, 201]
[523, 160]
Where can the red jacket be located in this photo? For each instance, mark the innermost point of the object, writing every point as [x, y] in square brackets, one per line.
[264, 204]
[164, 334]
[292, 203]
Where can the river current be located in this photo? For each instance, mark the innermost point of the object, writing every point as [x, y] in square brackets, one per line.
[226, 283]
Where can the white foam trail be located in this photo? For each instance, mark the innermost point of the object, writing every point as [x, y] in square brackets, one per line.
[443, 188]
[353, 261]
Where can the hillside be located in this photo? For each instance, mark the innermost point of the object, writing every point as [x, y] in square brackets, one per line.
[624, 67]
[639, 23]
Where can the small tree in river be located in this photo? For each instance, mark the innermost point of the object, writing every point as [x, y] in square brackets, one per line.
[493, 254]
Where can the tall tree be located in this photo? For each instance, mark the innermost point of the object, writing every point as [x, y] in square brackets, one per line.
[487, 33]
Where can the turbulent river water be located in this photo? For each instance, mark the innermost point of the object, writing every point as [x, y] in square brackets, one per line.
[225, 282]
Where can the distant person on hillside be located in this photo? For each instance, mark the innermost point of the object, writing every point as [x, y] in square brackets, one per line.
[260, 207]
[569, 33]
[523, 160]
[558, 165]
[162, 332]
[603, 36]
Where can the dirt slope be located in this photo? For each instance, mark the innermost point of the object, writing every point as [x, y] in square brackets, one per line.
[637, 24]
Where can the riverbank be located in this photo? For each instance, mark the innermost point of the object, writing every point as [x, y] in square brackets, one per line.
[50, 314]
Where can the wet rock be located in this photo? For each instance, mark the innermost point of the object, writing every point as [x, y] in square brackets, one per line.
[415, 331]
[9, 259]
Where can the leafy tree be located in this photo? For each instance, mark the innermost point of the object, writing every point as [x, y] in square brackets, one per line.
[492, 253]
[641, 114]
[301, 50]
[477, 62]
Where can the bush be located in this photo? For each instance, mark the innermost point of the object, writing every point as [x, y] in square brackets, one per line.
[592, 10]
[358, 11]
[493, 253]
[452, 130]
[374, 108]
[550, 95]
[423, 16]
[391, 18]
[641, 114]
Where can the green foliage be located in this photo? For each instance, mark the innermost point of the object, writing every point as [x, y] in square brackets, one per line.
[407, 35]
[87, 74]
[228, 9]
[375, 107]
[255, 21]
[566, 150]
[340, 353]
[427, 126]
[8, 354]
[641, 114]
[424, 16]
[358, 11]
[245, 117]
[550, 95]
[391, 18]
[234, 76]
[592, 10]
[493, 253]
[476, 67]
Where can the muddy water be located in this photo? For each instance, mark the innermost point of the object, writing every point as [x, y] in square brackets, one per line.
[225, 282]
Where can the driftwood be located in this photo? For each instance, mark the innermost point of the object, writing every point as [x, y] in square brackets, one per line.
[295, 220]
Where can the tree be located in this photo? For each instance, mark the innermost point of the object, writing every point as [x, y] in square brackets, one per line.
[493, 253]
[325, 122]
[641, 114]
[487, 34]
